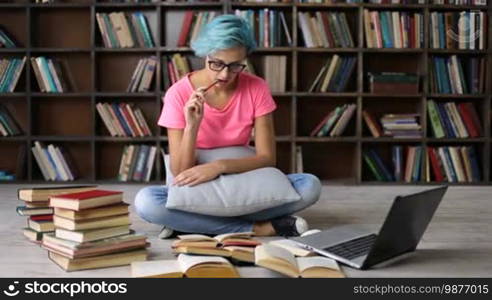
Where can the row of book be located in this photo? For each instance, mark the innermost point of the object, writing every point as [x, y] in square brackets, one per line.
[124, 30]
[335, 122]
[193, 23]
[142, 78]
[10, 72]
[406, 164]
[466, 30]
[122, 119]
[393, 29]
[6, 41]
[454, 164]
[453, 120]
[268, 26]
[54, 162]
[49, 74]
[174, 68]
[457, 75]
[325, 29]
[459, 2]
[334, 74]
[137, 163]
[8, 125]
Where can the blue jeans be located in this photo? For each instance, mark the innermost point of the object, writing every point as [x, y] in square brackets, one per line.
[150, 204]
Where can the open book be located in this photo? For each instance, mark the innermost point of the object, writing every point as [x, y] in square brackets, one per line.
[185, 266]
[281, 260]
[239, 245]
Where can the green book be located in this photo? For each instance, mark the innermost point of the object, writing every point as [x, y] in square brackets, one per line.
[372, 167]
[437, 126]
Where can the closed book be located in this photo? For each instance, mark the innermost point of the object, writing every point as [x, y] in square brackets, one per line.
[372, 124]
[89, 199]
[434, 160]
[92, 213]
[41, 226]
[43, 194]
[104, 222]
[83, 236]
[33, 211]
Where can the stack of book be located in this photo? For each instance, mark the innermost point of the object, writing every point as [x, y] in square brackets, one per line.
[325, 29]
[92, 230]
[141, 80]
[454, 164]
[174, 68]
[5, 40]
[124, 30]
[275, 67]
[393, 29]
[334, 75]
[454, 75]
[54, 162]
[389, 82]
[407, 169]
[458, 30]
[49, 75]
[193, 23]
[137, 163]
[36, 208]
[335, 122]
[401, 125]
[459, 2]
[269, 26]
[10, 72]
[453, 120]
[8, 125]
[123, 119]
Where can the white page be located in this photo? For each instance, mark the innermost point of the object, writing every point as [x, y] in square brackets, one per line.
[316, 261]
[155, 267]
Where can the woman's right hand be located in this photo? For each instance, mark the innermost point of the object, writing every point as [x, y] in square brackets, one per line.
[193, 108]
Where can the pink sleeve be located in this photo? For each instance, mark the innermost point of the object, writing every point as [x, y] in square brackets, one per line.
[264, 102]
[172, 115]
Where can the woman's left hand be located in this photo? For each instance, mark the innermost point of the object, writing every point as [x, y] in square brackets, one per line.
[197, 174]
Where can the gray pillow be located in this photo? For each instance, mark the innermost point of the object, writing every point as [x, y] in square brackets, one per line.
[232, 194]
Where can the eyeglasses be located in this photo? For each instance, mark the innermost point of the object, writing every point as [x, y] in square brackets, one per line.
[218, 66]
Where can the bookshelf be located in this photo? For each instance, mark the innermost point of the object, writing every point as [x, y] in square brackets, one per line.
[101, 75]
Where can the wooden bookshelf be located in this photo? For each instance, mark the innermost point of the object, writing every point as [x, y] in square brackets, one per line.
[68, 30]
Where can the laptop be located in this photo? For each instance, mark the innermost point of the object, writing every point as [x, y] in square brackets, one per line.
[358, 247]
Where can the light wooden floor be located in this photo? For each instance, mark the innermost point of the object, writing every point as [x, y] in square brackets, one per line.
[458, 242]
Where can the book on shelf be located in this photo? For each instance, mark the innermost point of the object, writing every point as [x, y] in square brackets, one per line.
[8, 124]
[6, 39]
[299, 160]
[185, 266]
[137, 163]
[126, 30]
[283, 261]
[402, 168]
[372, 124]
[54, 162]
[5, 175]
[325, 29]
[464, 30]
[193, 22]
[393, 29]
[459, 2]
[174, 67]
[142, 78]
[275, 68]
[335, 122]
[401, 125]
[269, 26]
[334, 75]
[454, 120]
[454, 164]
[456, 75]
[397, 1]
[51, 75]
[389, 82]
[123, 119]
[10, 73]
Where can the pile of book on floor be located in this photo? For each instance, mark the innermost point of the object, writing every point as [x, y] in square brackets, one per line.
[137, 163]
[36, 208]
[335, 122]
[8, 125]
[389, 82]
[92, 230]
[204, 256]
[5, 40]
[49, 75]
[455, 75]
[123, 119]
[454, 163]
[10, 72]
[401, 125]
[54, 162]
[141, 80]
[125, 30]
[454, 120]
[325, 29]
[269, 27]
[334, 74]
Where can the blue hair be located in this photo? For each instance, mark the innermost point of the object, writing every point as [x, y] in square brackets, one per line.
[224, 32]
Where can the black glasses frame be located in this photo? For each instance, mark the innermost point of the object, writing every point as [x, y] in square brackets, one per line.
[230, 66]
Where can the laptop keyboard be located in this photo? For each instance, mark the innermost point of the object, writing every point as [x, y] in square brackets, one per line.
[353, 248]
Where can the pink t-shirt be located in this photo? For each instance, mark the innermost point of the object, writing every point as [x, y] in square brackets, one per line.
[229, 126]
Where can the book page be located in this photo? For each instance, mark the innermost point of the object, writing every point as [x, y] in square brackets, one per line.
[195, 237]
[292, 247]
[305, 263]
[188, 261]
[155, 268]
[277, 252]
[224, 236]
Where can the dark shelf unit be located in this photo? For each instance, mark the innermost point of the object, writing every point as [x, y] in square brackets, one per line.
[336, 159]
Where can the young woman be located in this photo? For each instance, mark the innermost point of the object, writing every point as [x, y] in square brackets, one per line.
[223, 116]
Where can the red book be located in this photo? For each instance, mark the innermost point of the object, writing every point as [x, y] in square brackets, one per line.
[318, 127]
[435, 164]
[329, 34]
[42, 218]
[185, 28]
[171, 71]
[474, 116]
[467, 119]
[128, 119]
[412, 33]
[83, 200]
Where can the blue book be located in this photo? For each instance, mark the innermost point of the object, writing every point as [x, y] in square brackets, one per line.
[346, 75]
[441, 31]
[472, 155]
[46, 71]
[443, 68]
[386, 173]
[446, 121]
[52, 162]
[337, 76]
[272, 42]
[385, 31]
[7, 75]
[417, 168]
[449, 162]
[397, 162]
[143, 154]
[438, 76]
[120, 117]
[261, 23]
